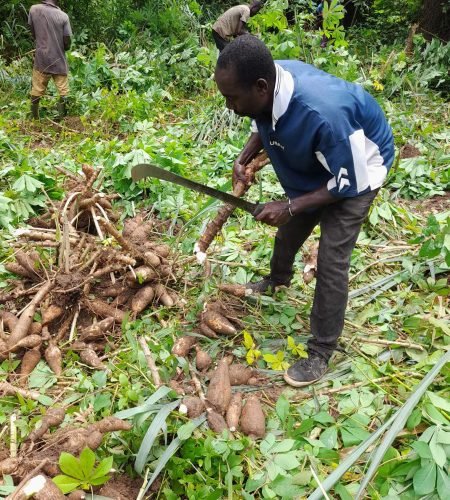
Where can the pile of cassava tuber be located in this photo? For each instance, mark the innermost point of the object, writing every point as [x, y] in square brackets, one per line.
[225, 409]
[78, 278]
[37, 460]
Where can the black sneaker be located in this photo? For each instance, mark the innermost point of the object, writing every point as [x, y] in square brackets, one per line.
[306, 371]
[264, 285]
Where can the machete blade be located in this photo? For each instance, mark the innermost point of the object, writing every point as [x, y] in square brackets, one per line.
[143, 170]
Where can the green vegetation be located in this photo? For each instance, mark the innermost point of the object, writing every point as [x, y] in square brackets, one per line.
[81, 472]
[142, 90]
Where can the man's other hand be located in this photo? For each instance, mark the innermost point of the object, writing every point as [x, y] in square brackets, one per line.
[274, 213]
[239, 174]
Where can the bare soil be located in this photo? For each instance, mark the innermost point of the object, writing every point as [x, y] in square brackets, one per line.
[122, 487]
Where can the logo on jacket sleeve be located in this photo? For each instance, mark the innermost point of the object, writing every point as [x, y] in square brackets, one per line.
[342, 179]
[273, 142]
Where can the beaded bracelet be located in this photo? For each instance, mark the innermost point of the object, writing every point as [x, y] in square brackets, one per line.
[289, 207]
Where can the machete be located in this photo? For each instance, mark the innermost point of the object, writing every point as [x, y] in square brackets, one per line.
[148, 170]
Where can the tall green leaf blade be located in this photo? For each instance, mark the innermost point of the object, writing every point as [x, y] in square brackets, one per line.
[400, 420]
[151, 435]
[156, 396]
[166, 456]
[334, 477]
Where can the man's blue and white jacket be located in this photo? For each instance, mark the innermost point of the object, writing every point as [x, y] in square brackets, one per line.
[325, 131]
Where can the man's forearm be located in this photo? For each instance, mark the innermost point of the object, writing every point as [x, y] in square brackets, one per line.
[67, 42]
[251, 149]
[316, 199]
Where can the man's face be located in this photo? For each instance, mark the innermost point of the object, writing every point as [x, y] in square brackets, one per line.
[252, 102]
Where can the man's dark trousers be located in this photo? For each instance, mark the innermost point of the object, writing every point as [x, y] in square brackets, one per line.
[221, 43]
[340, 224]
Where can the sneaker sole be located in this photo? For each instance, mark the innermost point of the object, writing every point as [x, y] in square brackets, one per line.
[296, 383]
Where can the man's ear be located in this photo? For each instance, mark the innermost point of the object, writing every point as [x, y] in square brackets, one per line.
[262, 86]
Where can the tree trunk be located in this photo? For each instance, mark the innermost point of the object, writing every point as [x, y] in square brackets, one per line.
[434, 19]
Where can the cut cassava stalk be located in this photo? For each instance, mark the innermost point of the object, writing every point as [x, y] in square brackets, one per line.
[214, 226]
[5, 297]
[197, 384]
[150, 362]
[65, 327]
[42, 235]
[21, 328]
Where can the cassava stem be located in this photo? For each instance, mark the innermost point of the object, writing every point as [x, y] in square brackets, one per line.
[225, 211]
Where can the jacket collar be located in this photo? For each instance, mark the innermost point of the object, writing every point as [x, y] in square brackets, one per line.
[284, 88]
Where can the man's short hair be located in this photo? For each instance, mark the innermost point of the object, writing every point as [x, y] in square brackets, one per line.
[250, 58]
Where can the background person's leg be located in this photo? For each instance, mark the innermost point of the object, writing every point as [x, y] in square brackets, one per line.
[39, 82]
[221, 43]
[62, 85]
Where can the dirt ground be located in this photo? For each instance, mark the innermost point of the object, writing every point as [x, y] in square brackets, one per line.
[122, 488]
